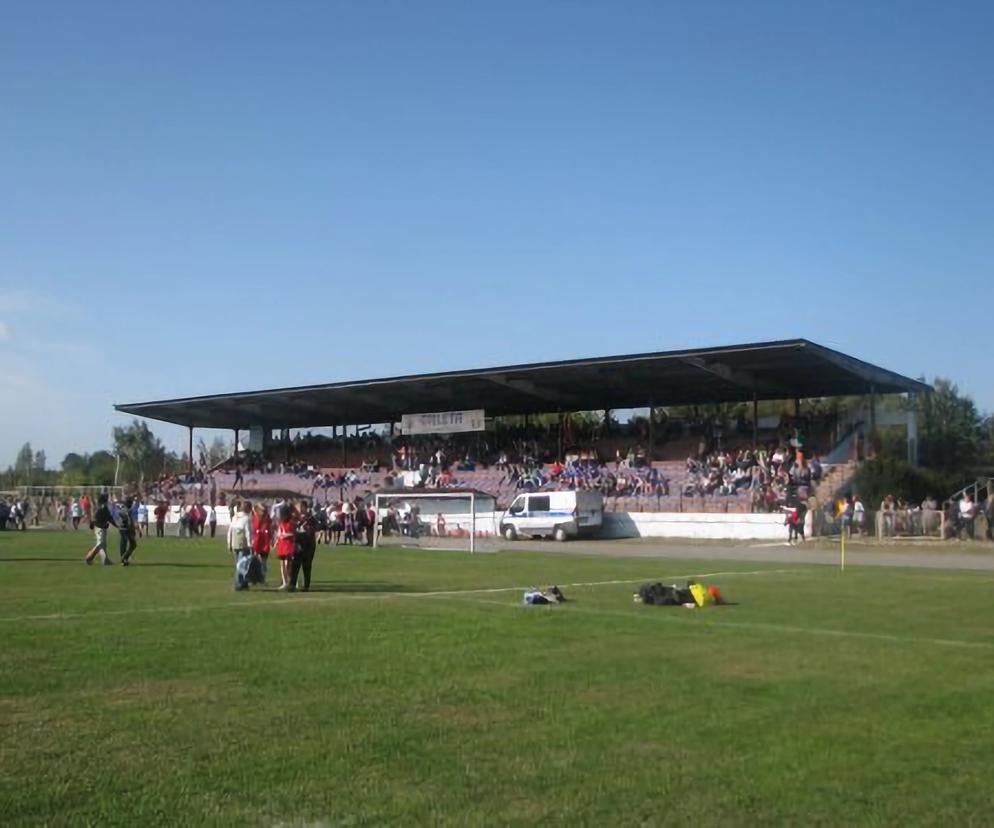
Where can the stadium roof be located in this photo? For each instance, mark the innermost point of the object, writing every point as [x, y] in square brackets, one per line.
[786, 369]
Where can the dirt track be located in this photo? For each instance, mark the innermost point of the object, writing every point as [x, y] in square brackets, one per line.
[979, 556]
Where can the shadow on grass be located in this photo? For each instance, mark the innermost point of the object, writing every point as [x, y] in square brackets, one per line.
[184, 565]
[42, 560]
[354, 587]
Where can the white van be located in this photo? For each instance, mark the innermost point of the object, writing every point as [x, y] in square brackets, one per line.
[560, 515]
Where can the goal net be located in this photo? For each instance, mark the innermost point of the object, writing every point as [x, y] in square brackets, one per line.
[436, 520]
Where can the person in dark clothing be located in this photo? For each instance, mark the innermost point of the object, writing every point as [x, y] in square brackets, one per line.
[160, 519]
[126, 526]
[102, 520]
[305, 543]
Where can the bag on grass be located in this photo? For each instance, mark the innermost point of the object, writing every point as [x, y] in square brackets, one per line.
[242, 571]
[659, 595]
[256, 572]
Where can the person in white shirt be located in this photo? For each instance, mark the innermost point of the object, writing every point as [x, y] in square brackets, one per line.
[858, 516]
[212, 519]
[967, 515]
[142, 518]
[240, 543]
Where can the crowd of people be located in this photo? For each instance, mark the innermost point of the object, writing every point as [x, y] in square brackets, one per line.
[293, 531]
[777, 475]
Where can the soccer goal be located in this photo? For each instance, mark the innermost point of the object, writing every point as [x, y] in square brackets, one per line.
[429, 519]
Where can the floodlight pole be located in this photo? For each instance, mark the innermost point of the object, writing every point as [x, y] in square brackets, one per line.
[472, 523]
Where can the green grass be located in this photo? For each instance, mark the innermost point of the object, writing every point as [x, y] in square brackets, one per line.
[157, 695]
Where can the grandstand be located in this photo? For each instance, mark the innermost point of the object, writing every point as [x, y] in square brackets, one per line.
[645, 466]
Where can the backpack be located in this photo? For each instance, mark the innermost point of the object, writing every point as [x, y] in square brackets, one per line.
[660, 595]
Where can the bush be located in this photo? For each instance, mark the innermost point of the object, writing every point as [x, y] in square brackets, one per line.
[881, 477]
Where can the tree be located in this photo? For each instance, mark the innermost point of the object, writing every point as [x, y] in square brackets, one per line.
[218, 452]
[75, 469]
[101, 466]
[138, 450]
[950, 429]
[39, 462]
[24, 462]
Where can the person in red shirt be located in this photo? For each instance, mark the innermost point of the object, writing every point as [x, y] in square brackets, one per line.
[262, 534]
[161, 509]
[285, 544]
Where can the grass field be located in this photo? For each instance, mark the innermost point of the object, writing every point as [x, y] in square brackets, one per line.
[407, 689]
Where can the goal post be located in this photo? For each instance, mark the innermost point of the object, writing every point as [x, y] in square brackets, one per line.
[434, 519]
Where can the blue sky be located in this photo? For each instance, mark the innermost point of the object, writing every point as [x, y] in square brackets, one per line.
[201, 197]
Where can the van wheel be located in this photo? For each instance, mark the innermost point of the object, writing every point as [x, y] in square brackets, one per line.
[510, 534]
[560, 534]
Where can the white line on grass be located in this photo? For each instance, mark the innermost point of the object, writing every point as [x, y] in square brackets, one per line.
[676, 618]
[313, 598]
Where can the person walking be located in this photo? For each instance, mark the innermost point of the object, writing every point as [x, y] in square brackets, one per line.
[240, 544]
[305, 543]
[127, 528]
[102, 520]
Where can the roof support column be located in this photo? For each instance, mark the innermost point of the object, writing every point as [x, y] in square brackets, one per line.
[755, 420]
[913, 430]
[561, 447]
[190, 450]
[652, 432]
[236, 445]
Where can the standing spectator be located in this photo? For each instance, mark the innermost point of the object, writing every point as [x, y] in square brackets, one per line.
[142, 518]
[858, 516]
[930, 515]
[967, 515]
[240, 544]
[348, 522]
[262, 535]
[76, 512]
[989, 512]
[370, 512]
[102, 520]
[87, 507]
[160, 519]
[212, 519]
[887, 514]
[285, 543]
[305, 543]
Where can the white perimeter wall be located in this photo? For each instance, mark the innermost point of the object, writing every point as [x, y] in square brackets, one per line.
[733, 526]
[694, 525]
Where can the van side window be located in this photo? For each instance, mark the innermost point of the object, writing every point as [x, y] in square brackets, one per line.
[538, 504]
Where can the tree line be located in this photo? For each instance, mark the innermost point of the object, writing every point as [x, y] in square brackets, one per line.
[136, 456]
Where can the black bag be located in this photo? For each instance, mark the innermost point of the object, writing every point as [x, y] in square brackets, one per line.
[255, 574]
[660, 595]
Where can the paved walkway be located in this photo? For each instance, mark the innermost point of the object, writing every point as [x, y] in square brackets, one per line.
[979, 556]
